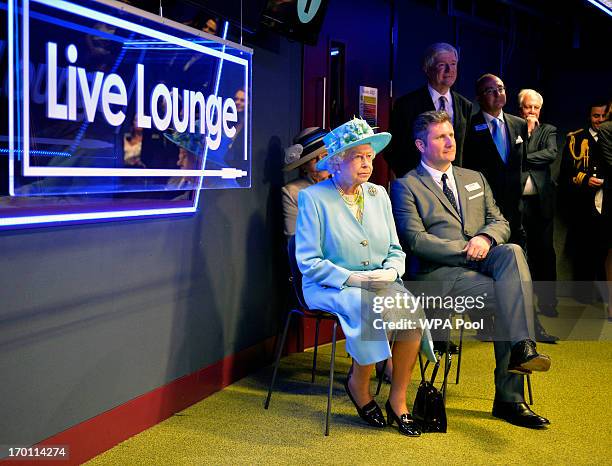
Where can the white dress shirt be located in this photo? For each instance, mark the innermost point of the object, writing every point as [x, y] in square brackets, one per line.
[435, 97]
[437, 177]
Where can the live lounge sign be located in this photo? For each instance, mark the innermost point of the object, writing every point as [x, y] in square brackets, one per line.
[81, 75]
[180, 108]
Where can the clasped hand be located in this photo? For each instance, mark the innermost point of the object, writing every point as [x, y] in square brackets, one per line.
[477, 248]
[366, 278]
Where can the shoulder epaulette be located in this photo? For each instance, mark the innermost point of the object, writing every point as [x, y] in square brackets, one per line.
[575, 132]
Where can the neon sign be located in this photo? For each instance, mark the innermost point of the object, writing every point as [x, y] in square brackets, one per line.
[105, 100]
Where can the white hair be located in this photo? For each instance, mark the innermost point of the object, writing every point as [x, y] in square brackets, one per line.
[530, 92]
[334, 162]
[429, 57]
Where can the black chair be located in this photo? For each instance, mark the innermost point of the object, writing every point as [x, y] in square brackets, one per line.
[304, 311]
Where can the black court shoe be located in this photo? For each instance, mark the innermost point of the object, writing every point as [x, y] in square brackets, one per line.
[370, 412]
[406, 425]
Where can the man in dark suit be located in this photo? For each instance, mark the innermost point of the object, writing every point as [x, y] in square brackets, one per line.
[440, 66]
[447, 217]
[538, 200]
[495, 145]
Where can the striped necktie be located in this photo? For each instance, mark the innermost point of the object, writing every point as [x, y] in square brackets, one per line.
[442, 107]
[449, 192]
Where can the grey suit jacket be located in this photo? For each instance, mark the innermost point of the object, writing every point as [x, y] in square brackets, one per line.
[290, 202]
[430, 228]
[541, 154]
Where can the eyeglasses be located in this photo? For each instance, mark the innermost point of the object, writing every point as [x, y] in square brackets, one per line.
[493, 90]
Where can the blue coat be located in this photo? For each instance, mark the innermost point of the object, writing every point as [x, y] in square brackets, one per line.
[331, 244]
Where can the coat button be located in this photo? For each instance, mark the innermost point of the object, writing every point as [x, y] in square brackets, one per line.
[365, 263]
[364, 243]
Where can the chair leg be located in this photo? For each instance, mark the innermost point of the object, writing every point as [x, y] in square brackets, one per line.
[421, 367]
[380, 377]
[529, 389]
[459, 355]
[316, 347]
[331, 379]
[447, 367]
[279, 352]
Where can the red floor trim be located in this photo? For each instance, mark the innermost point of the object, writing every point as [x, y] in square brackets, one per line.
[98, 434]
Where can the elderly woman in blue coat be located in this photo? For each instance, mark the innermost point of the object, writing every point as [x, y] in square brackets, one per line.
[349, 254]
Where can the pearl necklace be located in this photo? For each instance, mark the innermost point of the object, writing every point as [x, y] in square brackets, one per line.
[353, 201]
[350, 199]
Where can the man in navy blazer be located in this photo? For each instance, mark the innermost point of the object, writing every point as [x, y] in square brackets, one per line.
[447, 218]
[495, 145]
[440, 66]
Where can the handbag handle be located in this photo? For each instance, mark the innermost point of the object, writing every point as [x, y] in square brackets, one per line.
[434, 372]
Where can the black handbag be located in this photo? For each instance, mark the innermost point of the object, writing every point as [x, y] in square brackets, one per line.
[428, 409]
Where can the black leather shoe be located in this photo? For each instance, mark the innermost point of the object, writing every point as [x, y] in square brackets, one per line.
[370, 412]
[524, 358]
[440, 347]
[518, 414]
[548, 311]
[542, 336]
[406, 425]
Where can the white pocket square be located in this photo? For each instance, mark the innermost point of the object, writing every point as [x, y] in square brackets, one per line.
[481, 193]
[519, 139]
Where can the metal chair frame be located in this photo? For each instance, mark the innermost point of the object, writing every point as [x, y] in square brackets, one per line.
[303, 310]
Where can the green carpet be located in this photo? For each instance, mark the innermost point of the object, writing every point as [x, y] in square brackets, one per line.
[231, 427]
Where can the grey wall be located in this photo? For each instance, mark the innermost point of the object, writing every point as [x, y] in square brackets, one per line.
[92, 316]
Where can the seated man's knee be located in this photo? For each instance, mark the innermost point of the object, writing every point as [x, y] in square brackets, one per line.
[511, 250]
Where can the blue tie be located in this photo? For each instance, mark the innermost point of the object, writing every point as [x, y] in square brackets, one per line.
[498, 139]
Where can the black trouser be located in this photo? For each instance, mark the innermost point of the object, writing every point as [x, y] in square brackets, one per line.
[540, 250]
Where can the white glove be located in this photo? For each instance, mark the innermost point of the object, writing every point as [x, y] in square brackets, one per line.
[363, 279]
[383, 275]
[358, 279]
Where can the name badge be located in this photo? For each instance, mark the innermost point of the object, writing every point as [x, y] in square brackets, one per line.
[481, 127]
[472, 187]
[481, 193]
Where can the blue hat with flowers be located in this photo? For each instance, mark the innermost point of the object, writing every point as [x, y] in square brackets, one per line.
[352, 133]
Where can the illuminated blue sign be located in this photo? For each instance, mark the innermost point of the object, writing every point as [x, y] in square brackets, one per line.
[104, 100]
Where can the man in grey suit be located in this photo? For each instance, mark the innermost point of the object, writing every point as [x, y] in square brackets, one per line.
[447, 218]
[538, 200]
